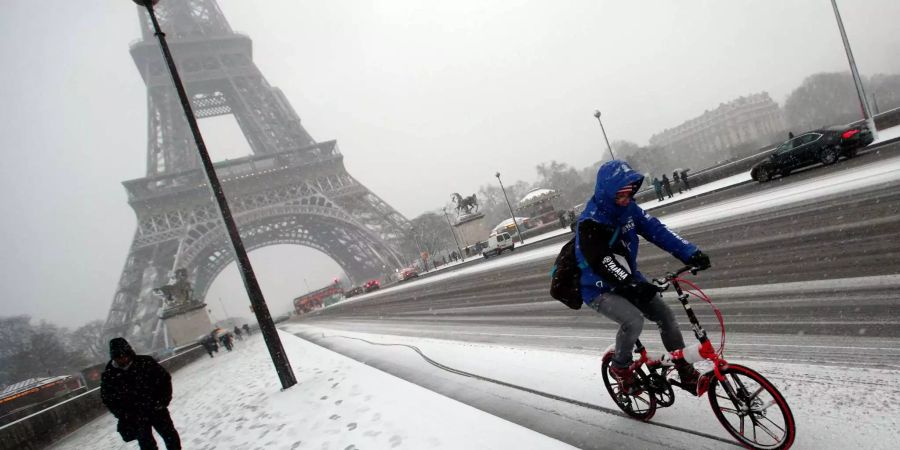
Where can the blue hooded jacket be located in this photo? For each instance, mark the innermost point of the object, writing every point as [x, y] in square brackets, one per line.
[628, 222]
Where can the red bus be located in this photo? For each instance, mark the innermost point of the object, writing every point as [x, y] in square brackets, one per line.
[315, 299]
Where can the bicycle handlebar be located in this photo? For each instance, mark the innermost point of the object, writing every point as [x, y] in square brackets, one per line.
[664, 282]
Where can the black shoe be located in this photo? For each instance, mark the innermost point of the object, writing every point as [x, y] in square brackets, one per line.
[687, 378]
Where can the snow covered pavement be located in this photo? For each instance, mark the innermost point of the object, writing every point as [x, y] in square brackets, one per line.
[234, 401]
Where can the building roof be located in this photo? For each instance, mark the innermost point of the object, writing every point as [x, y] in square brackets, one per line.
[536, 196]
[31, 383]
[509, 222]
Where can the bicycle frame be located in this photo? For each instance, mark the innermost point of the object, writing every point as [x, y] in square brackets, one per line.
[691, 354]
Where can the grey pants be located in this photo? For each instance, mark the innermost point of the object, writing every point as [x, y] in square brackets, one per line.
[631, 321]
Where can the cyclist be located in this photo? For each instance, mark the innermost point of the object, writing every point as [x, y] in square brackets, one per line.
[606, 246]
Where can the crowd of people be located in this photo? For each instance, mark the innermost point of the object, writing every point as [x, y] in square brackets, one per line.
[225, 338]
[663, 187]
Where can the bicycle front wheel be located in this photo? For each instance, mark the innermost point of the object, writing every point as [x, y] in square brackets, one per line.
[751, 409]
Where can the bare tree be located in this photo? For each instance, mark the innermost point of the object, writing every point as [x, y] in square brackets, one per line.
[822, 99]
[29, 351]
[572, 188]
[431, 233]
[88, 340]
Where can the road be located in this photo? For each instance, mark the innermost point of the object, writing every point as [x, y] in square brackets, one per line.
[773, 271]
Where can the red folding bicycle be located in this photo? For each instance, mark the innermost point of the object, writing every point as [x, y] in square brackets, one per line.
[745, 402]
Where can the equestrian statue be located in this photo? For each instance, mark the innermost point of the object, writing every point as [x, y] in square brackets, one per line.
[465, 205]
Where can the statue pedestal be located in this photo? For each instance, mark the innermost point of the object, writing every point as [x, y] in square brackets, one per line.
[185, 325]
[472, 229]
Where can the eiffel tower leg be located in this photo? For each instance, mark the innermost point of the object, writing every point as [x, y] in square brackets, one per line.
[134, 311]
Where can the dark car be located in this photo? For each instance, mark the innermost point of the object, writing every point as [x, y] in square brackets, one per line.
[824, 146]
[371, 285]
[356, 290]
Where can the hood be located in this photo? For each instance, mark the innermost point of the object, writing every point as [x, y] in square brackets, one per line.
[119, 347]
[610, 178]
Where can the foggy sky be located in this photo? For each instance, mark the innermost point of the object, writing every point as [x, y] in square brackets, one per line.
[425, 98]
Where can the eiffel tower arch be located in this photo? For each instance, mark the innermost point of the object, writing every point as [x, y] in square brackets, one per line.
[290, 190]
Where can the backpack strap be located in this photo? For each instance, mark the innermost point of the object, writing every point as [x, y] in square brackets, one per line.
[615, 236]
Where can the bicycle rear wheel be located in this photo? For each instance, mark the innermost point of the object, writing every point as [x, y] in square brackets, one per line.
[751, 409]
[640, 404]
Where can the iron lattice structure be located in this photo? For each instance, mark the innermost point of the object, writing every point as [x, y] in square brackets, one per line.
[290, 190]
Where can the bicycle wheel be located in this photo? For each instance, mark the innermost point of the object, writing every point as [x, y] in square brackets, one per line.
[640, 404]
[744, 403]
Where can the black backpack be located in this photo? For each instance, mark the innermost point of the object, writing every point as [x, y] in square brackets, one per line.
[565, 277]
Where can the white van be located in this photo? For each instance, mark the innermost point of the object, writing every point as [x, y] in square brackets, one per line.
[497, 244]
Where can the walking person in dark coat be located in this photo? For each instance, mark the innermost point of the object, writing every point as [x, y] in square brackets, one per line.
[657, 187]
[209, 345]
[684, 180]
[237, 333]
[667, 187]
[137, 391]
[676, 180]
[246, 329]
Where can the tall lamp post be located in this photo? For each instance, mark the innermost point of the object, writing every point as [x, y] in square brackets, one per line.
[449, 224]
[608, 147]
[860, 91]
[511, 214]
[258, 303]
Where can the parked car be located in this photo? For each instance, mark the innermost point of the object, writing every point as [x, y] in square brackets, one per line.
[824, 146]
[497, 244]
[371, 285]
[355, 290]
[408, 273]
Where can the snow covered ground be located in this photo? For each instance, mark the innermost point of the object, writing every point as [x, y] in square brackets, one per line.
[235, 401]
[825, 400]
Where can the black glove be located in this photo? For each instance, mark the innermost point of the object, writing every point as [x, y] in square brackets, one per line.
[638, 291]
[699, 260]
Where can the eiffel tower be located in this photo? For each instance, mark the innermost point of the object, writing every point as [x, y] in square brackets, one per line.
[291, 190]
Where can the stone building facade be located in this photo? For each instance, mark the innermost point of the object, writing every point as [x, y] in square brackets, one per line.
[746, 119]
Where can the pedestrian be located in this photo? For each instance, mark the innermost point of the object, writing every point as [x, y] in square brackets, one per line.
[790, 135]
[226, 340]
[676, 180]
[137, 391]
[667, 187]
[209, 345]
[246, 329]
[657, 187]
[237, 333]
[684, 180]
[609, 231]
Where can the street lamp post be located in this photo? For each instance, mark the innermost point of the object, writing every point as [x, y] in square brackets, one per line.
[608, 147]
[258, 303]
[449, 224]
[860, 91]
[511, 214]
